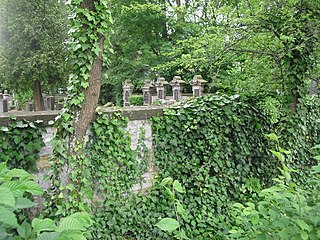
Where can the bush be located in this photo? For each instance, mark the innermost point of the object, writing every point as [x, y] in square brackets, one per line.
[15, 185]
[136, 100]
[285, 211]
[20, 145]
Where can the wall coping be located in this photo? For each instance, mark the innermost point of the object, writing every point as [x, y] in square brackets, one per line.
[45, 117]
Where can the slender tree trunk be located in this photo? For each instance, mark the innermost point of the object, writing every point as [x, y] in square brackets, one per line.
[90, 103]
[38, 99]
[91, 99]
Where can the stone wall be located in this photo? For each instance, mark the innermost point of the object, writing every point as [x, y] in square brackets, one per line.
[138, 120]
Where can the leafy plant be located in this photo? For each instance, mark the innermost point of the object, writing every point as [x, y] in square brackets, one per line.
[285, 211]
[136, 100]
[171, 224]
[20, 144]
[15, 185]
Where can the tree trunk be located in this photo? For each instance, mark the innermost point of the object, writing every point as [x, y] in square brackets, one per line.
[92, 93]
[38, 99]
[91, 98]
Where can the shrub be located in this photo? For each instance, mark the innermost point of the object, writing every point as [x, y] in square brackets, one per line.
[20, 144]
[285, 211]
[136, 100]
[15, 185]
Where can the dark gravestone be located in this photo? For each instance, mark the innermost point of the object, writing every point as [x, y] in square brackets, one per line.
[50, 103]
[29, 107]
[1, 103]
[5, 105]
[176, 94]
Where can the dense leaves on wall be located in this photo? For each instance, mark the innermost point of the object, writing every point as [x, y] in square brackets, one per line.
[300, 132]
[20, 145]
[216, 147]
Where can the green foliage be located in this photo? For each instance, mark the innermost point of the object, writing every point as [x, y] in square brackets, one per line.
[20, 144]
[136, 100]
[15, 184]
[300, 132]
[32, 45]
[170, 224]
[284, 211]
[108, 171]
[89, 42]
[270, 107]
[214, 146]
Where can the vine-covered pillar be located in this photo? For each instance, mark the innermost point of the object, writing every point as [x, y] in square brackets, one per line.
[90, 22]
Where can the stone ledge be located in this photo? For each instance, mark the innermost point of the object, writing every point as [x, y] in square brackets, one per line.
[44, 116]
[133, 113]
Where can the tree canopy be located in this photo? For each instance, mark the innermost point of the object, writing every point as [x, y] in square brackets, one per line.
[251, 47]
[33, 49]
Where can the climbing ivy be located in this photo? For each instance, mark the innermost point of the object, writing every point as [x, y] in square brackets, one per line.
[216, 146]
[71, 173]
[299, 132]
[20, 144]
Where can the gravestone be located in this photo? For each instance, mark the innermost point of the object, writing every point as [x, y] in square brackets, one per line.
[177, 86]
[1, 103]
[197, 84]
[29, 106]
[127, 89]
[50, 103]
[146, 91]
[5, 101]
[5, 105]
[161, 84]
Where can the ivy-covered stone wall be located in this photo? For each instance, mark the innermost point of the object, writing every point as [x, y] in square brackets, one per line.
[138, 127]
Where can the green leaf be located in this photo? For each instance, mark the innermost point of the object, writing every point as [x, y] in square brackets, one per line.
[24, 203]
[317, 157]
[7, 197]
[33, 187]
[272, 137]
[40, 225]
[278, 155]
[20, 173]
[177, 186]
[48, 236]
[182, 211]
[302, 224]
[70, 223]
[304, 235]
[24, 230]
[3, 168]
[16, 187]
[8, 217]
[168, 224]
[166, 181]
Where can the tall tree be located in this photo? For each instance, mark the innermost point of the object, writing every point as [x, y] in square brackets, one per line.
[254, 47]
[33, 46]
[89, 39]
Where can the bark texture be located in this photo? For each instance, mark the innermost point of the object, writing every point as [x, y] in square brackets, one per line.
[90, 103]
[38, 99]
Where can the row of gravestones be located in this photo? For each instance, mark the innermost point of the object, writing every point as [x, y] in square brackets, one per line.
[177, 83]
[49, 103]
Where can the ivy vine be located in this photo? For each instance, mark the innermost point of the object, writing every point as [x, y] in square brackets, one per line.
[20, 144]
